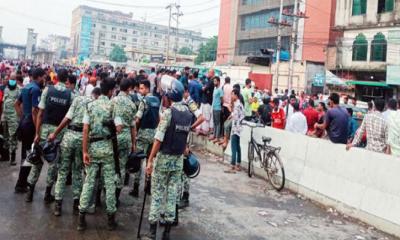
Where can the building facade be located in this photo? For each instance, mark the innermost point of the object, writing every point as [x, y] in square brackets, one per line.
[369, 51]
[60, 45]
[95, 32]
[31, 43]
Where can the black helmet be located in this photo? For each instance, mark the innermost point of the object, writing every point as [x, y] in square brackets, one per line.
[35, 156]
[50, 151]
[134, 161]
[191, 166]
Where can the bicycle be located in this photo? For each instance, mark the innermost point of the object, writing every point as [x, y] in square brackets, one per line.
[268, 156]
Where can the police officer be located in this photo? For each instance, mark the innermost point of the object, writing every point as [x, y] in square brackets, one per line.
[9, 119]
[97, 153]
[27, 108]
[147, 119]
[169, 145]
[124, 111]
[71, 153]
[54, 104]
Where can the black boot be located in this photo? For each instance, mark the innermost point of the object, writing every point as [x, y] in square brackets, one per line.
[184, 202]
[152, 234]
[176, 221]
[5, 155]
[126, 180]
[22, 184]
[57, 208]
[76, 207]
[81, 222]
[12, 160]
[135, 190]
[29, 194]
[112, 224]
[48, 198]
[117, 193]
[167, 229]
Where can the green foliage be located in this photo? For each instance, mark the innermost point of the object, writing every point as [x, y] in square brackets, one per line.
[208, 51]
[185, 51]
[118, 54]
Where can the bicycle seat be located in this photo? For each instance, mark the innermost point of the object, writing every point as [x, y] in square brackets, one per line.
[266, 139]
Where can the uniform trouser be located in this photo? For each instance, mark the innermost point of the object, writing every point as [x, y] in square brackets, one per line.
[164, 183]
[9, 133]
[37, 169]
[27, 129]
[184, 186]
[123, 155]
[108, 175]
[142, 145]
[71, 158]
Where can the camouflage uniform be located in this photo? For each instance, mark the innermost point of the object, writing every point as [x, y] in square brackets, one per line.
[167, 174]
[10, 119]
[145, 137]
[46, 130]
[124, 111]
[184, 184]
[101, 154]
[71, 150]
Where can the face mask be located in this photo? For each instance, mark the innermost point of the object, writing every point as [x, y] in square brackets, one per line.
[12, 83]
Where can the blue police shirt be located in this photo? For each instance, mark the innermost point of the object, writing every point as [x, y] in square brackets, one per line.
[30, 97]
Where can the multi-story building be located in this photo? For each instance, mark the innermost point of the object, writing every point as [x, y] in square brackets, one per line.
[57, 44]
[95, 32]
[368, 54]
[245, 28]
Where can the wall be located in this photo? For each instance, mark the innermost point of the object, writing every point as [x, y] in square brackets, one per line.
[227, 32]
[347, 43]
[317, 29]
[359, 183]
[298, 82]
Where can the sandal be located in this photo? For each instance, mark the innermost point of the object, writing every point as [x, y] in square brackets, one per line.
[230, 171]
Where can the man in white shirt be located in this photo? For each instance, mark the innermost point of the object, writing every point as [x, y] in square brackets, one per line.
[391, 107]
[87, 90]
[297, 122]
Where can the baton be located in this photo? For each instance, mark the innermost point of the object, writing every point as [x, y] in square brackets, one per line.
[147, 185]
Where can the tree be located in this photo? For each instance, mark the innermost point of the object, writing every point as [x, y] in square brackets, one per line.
[118, 54]
[207, 51]
[185, 51]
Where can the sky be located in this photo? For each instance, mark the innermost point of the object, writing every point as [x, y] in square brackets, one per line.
[54, 16]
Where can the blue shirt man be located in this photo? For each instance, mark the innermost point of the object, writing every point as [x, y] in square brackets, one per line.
[195, 89]
[30, 98]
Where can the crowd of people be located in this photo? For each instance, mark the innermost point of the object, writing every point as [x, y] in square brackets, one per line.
[84, 121]
[82, 107]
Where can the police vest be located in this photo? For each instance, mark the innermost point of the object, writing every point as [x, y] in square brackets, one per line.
[57, 105]
[151, 114]
[176, 136]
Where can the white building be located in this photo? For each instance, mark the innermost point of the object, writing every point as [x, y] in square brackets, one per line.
[369, 46]
[57, 44]
[94, 33]
[31, 43]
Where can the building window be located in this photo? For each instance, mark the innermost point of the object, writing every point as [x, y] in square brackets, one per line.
[123, 30]
[155, 43]
[359, 7]
[252, 47]
[113, 37]
[385, 6]
[113, 29]
[123, 38]
[112, 45]
[102, 35]
[360, 48]
[102, 43]
[103, 26]
[157, 35]
[94, 25]
[251, 2]
[145, 34]
[135, 32]
[134, 40]
[379, 48]
[260, 19]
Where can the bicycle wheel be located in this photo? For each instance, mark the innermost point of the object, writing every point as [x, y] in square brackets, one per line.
[275, 170]
[250, 159]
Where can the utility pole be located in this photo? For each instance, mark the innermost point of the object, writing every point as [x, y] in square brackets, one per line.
[177, 14]
[144, 40]
[278, 46]
[169, 32]
[297, 15]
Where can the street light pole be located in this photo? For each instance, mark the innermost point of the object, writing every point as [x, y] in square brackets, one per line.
[278, 46]
[178, 14]
[169, 32]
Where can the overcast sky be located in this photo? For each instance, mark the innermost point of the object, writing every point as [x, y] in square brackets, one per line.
[54, 16]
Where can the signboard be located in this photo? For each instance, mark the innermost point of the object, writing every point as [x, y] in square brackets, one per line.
[393, 74]
[319, 80]
[86, 28]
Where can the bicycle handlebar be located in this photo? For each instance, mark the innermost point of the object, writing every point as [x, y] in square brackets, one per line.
[252, 124]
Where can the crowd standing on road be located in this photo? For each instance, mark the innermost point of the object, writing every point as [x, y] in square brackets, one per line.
[99, 115]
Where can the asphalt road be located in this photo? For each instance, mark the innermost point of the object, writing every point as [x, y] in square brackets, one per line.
[222, 206]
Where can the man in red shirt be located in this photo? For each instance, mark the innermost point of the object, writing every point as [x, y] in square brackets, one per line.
[311, 115]
[277, 115]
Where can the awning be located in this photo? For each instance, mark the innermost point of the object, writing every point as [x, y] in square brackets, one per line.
[332, 79]
[367, 83]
